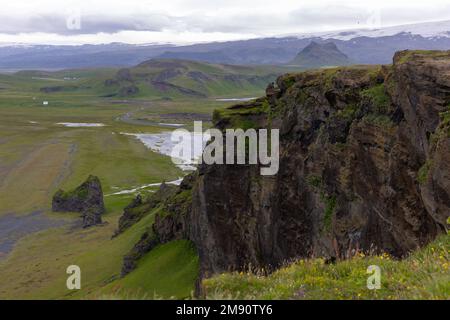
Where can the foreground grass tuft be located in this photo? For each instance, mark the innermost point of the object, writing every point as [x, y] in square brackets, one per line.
[423, 275]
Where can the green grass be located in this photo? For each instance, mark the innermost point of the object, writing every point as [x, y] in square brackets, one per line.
[38, 159]
[36, 269]
[407, 55]
[423, 275]
[168, 271]
[240, 116]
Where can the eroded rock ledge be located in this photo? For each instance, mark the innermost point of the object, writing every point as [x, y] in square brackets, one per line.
[364, 165]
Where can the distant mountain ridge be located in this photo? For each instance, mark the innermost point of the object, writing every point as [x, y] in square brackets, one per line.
[171, 78]
[317, 55]
[376, 46]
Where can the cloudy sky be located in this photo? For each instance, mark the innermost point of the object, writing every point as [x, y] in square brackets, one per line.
[189, 21]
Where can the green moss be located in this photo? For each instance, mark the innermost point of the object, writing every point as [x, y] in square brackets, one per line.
[443, 130]
[265, 107]
[243, 124]
[390, 84]
[373, 72]
[79, 193]
[239, 116]
[330, 205]
[379, 98]
[380, 120]
[184, 196]
[314, 181]
[176, 205]
[407, 55]
[328, 77]
[423, 172]
[339, 146]
[445, 117]
[349, 112]
[288, 80]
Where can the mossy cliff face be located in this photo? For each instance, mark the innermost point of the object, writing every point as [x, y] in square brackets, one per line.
[172, 206]
[140, 207]
[353, 145]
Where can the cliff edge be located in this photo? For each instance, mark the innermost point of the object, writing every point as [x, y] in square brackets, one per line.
[364, 166]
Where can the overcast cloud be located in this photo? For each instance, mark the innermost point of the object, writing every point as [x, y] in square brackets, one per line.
[187, 21]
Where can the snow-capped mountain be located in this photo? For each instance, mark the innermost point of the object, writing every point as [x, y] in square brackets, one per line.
[438, 29]
[363, 46]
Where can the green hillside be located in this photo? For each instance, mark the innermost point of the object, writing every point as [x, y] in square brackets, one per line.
[166, 79]
[181, 78]
[168, 271]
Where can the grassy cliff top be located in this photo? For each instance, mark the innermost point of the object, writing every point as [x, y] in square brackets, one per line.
[423, 275]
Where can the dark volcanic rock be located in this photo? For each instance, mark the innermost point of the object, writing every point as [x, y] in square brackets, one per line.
[91, 217]
[138, 208]
[363, 167]
[87, 199]
[353, 142]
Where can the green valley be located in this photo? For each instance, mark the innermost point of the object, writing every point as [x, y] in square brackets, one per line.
[44, 148]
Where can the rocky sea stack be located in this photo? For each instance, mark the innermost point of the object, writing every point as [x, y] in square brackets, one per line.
[86, 198]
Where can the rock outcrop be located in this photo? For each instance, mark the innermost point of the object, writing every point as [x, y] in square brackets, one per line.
[139, 207]
[86, 198]
[364, 166]
[173, 205]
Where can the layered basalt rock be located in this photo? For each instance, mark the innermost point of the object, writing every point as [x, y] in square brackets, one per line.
[364, 166]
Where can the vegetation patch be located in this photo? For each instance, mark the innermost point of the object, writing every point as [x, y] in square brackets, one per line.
[168, 271]
[330, 206]
[287, 81]
[423, 172]
[380, 99]
[407, 55]
[314, 181]
[423, 275]
[380, 120]
[349, 112]
[445, 122]
[242, 115]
